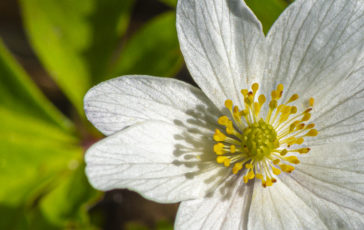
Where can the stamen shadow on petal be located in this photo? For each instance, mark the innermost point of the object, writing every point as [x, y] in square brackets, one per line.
[194, 150]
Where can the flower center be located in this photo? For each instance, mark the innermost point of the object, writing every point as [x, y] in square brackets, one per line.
[263, 146]
[260, 139]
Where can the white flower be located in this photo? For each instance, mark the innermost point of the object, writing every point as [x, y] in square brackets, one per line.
[167, 140]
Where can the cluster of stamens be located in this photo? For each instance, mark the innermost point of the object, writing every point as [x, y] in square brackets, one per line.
[263, 147]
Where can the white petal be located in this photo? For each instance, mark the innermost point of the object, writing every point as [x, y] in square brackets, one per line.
[334, 173]
[223, 45]
[163, 162]
[317, 50]
[278, 208]
[333, 215]
[219, 212]
[120, 102]
[343, 122]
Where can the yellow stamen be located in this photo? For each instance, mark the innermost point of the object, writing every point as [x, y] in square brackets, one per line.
[286, 168]
[311, 101]
[219, 136]
[260, 147]
[229, 104]
[292, 159]
[276, 171]
[292, 98]
[312, 133]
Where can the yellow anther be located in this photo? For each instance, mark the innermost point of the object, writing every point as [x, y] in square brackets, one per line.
[284, 117]
[293, 109]
[286, 168]
[300, 126]
[236, 113]
[285, 109]
[264, 184]
[219, 136]
[248, 166]
[292, 159]
[229, 104]
[276, 161]
[310, 126]
[255, 88]
[291, 140]
[230, 128]
[259, 176]
[244, 92]
[269, 182]
[249, 99]
[303, 150]
[274, 94]
[280, 88]
[293, 126]
[311, 101]
[276, 171]
[237, 167]
[312, 133]
[292, 98]
[261, 99]
[306, 117]
[244, 113]
[232, 148]
[227, 162]
[251, 175]
[283, 152]
[221, 159]
[300, 140]
[245, 179]
[219, 148]
[273, 104]
[223, 120]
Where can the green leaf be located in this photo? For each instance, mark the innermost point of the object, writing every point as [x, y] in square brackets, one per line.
[39, 152]
[153, 50]
[36, 140]
[67, 204]
[75, 40]
[19, 94]
[267, 11]
[171, 3]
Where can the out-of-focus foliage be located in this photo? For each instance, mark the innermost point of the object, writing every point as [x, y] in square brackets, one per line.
[171, 3]
[79, 43]
[267, 11]
[39, 151]
[75, 40]
[161, 225]
[143, 53]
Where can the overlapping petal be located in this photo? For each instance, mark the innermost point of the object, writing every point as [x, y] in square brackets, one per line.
[335, 173]
[324, 192]
[162, 161]
[278, 207]
[219, 212]
[316, 49]
[343, 122]
[223, 46]
[124, 101]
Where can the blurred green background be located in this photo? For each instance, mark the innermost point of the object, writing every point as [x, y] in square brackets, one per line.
[51, 53]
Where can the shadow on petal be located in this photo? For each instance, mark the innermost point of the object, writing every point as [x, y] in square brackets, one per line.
[194, 149]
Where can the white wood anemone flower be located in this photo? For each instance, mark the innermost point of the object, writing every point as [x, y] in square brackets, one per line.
[274, 137]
